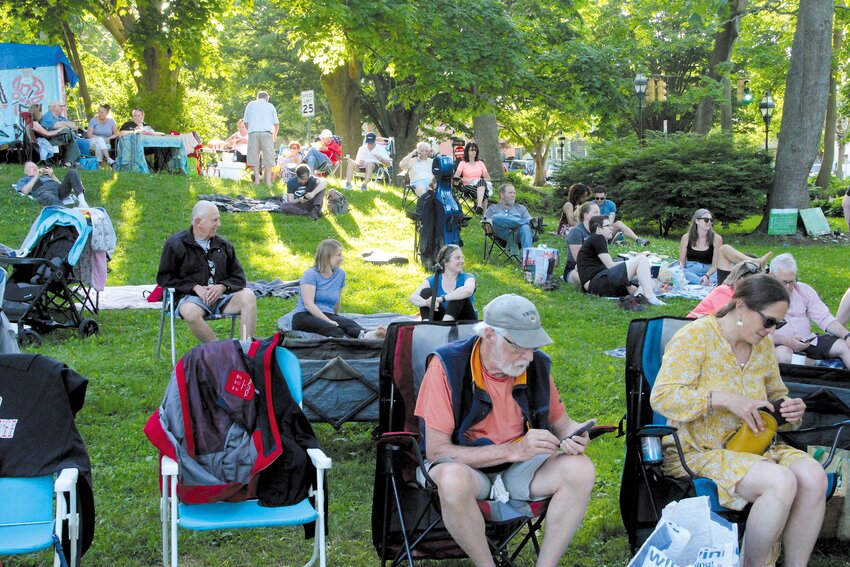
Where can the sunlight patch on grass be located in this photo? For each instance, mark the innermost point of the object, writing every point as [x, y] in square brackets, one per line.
[270, 252]
[126, 230]
[107, 187]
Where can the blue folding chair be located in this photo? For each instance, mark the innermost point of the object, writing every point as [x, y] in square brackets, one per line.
[644, 489]
[170, 309]
[246, 514]
[29, 521]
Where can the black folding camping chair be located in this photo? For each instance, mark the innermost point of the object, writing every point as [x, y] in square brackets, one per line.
[406, 523]
[645, 490]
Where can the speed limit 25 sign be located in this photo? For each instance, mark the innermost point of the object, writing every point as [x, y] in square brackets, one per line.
[308, 106]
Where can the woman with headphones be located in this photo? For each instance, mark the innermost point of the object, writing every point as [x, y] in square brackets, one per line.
[454, 289]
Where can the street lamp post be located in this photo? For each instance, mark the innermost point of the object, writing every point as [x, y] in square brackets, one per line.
[561, 140]
[766, 107]
[640, 91]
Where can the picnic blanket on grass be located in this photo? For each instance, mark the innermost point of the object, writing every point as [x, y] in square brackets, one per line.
[368, 322]
[242, 204]
[275, 288]
[135, 296]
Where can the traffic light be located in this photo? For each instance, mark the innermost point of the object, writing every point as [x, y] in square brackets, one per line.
[650, 90]
[745, 95]
[662, 90]
[748, 94]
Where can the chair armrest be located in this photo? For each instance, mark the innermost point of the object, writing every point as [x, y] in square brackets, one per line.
[320, 460]
[66, 480]
[840, 429]
[655, 431]
[662, 431]
[169, 466]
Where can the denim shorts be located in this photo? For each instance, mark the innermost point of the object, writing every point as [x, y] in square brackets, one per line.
[216, 309]
[694, 271]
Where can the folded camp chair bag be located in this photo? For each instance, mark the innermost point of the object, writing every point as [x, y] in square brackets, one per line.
[339, 377]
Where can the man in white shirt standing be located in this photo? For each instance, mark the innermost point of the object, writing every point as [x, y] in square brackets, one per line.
[369, 155]
[261, 120]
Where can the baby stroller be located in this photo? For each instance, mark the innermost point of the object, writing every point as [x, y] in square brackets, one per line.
[42, 292]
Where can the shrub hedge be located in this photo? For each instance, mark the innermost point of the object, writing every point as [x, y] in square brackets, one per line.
[665, 180]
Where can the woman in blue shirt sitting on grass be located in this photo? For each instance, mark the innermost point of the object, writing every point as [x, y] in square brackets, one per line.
[455, 290]
[317, 310]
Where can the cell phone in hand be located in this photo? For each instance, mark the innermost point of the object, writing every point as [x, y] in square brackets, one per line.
[581, 430]
[809, 338]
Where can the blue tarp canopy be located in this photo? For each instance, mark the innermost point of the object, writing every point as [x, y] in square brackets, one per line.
[22, 56]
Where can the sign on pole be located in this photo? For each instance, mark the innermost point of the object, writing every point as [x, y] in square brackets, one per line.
[308, 107]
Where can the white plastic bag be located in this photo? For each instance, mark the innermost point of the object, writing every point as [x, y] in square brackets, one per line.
[666, 541]
[690, 535]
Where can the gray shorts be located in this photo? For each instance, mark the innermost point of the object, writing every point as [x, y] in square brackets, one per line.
[516, 478]
[261, 143]
[216, 309]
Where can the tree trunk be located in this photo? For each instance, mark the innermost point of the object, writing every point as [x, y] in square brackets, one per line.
[804, 106]
[724, 40]
[839, 163]
[70, 41]
[541, 153]
[726, 107]
[158, 89]
[487, 137]
[342, 88]
[831, 119]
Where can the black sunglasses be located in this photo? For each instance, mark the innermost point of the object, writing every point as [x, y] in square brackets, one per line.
[770, 322]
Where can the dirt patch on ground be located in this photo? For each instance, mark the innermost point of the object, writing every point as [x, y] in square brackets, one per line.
[799, 239]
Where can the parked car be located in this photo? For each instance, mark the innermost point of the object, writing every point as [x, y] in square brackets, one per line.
[524, 166]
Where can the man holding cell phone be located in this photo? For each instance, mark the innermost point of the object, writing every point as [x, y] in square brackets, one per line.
[494, 424]
[805, 308]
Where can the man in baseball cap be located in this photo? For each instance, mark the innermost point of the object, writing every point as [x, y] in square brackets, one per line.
[369, 157]
[495, 426]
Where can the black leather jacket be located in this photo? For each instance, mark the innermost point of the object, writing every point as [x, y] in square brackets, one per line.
[184, 265]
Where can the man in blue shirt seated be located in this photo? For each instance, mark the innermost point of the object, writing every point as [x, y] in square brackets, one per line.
[55, 117]
[607, 208]
[511, 222]
[45, 187]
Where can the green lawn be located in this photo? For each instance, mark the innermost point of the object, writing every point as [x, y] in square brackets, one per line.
[127, 380]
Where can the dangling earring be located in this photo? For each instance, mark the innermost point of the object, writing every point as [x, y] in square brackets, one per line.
[740, 323]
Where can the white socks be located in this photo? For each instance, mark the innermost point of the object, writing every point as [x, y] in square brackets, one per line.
[81, 202]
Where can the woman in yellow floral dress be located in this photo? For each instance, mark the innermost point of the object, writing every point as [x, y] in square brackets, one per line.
[716, 373]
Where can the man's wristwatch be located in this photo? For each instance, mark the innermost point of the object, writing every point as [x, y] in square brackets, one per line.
[847, 335]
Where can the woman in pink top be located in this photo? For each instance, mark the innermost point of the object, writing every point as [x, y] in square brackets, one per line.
[720, 295]
[473, 173]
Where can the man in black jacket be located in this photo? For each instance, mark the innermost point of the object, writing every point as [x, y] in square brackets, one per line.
[206, 276]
